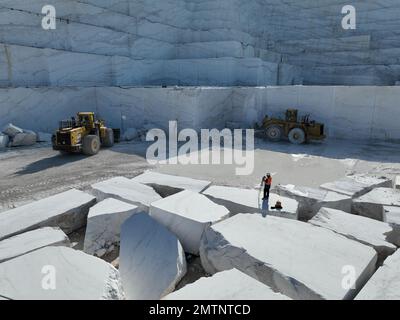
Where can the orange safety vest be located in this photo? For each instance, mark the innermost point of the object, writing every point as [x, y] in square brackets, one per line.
[268, 181]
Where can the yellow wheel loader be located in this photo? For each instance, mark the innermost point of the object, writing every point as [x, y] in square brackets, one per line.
[83, 134]
[298, 132]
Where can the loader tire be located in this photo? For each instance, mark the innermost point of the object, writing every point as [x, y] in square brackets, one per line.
[297, 136]
[109, 138]
[91, 145]
[274, 133]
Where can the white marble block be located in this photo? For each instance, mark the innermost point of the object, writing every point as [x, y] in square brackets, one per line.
[396, 184]
[391, 215]
[312, 199]
[356, 185]
[12, 130]
[73, 274]
[126, 190]
[26, 138]
[167, 185]
[295, 258]
[371, 204]
[238, 200]
[187, 214]
[4, 140]
[385, 283]
[67, 210]
[30, 241]
[226, 285]
[379, 235]
[152, 260]
[104, 225]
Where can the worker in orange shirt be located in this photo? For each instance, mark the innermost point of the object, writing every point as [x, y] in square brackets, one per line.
[267, 181]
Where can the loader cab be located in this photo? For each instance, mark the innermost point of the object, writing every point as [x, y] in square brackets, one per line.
[291, 115]
[86, 119]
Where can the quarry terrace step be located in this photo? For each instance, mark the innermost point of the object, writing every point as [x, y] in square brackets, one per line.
[194, 107]
[85, 38]
[28, 66]
[345, 58]
[351, 43]
[362, 75]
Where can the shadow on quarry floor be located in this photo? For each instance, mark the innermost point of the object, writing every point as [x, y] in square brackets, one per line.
[51, 162]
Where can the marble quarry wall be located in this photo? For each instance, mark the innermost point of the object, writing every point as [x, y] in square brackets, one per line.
[356, 113]
[252, 54]
[193, 42]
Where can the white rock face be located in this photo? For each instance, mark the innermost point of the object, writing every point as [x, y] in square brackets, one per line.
[356, 185]
[187, 214]
[379, 235]
[193, 106]
[226, 285]
[67, 210]
[152, 260]
[104, 225]
[130, 134]
[30, 241]
[44, 137]
[167, 185]
[385, 283]
[249, 201]
[27, 138]
[391, 215]
[295, 258]
[78, 276]
[311, 200]
[397, 182]
[4, 140]
[371, 204]
[126, 190]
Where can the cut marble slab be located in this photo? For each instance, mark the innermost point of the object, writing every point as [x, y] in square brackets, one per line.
[67, 210]
[397, 183]
[59, 273]
[4, 140]
[12, 130]
[249, 201]
[385, 283]
[30, 241]
[356, 185]
[371, 204]
[295, 258]
[391, 215]
[26, 138]
[124, 189]
[104, 225]
[152, 260]
[167, 185]
[311, 200]
[226, 285]
[379, 235]
[187, 214]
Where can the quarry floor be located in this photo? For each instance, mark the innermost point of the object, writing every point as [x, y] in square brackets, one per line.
[28, 174]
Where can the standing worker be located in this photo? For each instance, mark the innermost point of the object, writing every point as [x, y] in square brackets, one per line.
[267, 181]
